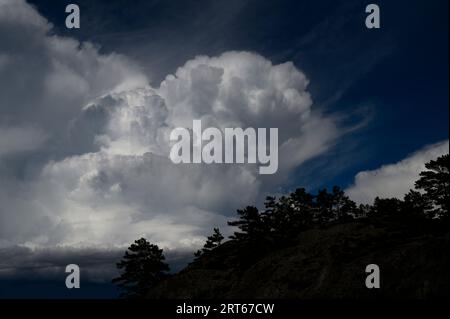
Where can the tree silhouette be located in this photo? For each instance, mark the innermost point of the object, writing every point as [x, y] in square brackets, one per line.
[415, 205]
[284, 218]
[386, 207]
[289, 215]
[342, 207]
[250, 223]
[212, 242]
[303, 208]
[279, 215]
[324, 204]
[435, 182]
[142, 267]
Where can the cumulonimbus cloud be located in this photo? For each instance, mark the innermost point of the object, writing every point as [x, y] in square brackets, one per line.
[102, 176]
[130, 182]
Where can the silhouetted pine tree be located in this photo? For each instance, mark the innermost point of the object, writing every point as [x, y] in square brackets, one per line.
[303, 206]
[282, 217]
[435, 182]
[212, 242]
[415, 205]
[142, 267]
[250, 223]
[268, 214]
[342, 208]
[386, 207]
[324, 203]
[363, 210]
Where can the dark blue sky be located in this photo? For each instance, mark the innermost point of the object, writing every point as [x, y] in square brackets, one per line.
[396, 77]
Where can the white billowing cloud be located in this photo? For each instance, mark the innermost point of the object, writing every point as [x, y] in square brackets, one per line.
[101, 134]
[394, 180]
[131, 184]
[46, 79]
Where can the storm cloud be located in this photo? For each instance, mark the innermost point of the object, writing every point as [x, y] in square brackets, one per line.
[85, 139]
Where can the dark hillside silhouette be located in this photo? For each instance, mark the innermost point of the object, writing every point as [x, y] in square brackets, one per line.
[305, 245]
